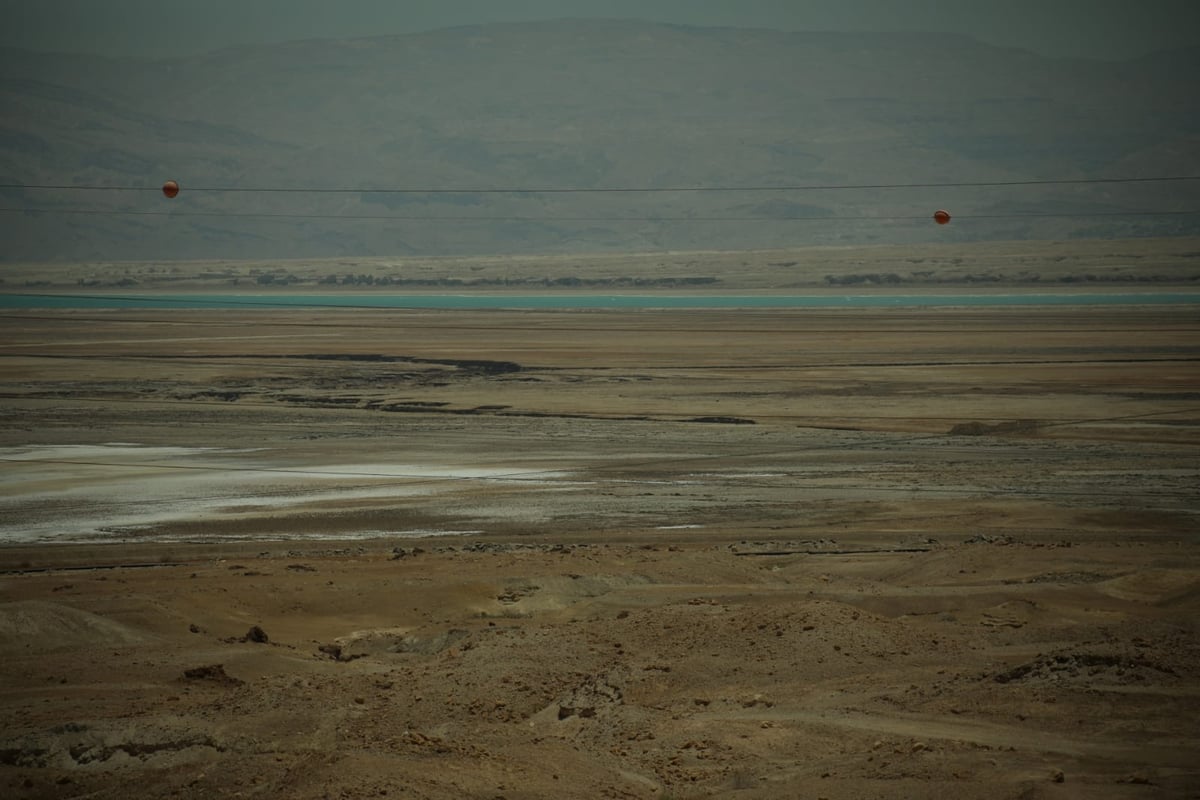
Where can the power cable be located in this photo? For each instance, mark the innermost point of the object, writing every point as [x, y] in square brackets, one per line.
[547, 219]
[606, 189]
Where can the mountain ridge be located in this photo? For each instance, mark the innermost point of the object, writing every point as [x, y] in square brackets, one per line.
[580, 104]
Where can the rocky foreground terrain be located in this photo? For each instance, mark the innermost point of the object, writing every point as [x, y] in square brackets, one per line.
[340, 553]
[972, 667]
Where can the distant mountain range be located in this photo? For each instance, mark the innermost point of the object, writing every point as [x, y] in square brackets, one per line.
[585, 105]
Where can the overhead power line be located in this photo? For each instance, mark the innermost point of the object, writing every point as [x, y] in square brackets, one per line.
[624, 218]
[600, 189]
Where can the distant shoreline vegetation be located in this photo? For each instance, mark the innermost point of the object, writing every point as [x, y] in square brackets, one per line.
[285, 280]
[893, 279]
[385, 281]
[561, 302]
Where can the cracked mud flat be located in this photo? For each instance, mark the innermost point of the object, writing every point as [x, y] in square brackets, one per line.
[733, 554]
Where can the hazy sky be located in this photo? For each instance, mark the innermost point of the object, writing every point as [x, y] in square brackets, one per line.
[1090, 28]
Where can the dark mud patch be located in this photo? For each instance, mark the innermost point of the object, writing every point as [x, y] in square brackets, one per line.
[214, 674]
[1016, 427]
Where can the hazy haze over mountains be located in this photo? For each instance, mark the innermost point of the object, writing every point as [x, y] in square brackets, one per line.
[585, 104]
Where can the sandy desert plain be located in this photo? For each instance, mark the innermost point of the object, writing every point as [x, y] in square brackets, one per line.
[773, 553]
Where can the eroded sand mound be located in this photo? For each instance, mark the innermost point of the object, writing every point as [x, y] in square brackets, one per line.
[159, 743]
[42, 627]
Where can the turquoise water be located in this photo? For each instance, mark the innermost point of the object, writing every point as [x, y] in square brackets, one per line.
[588, 301]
